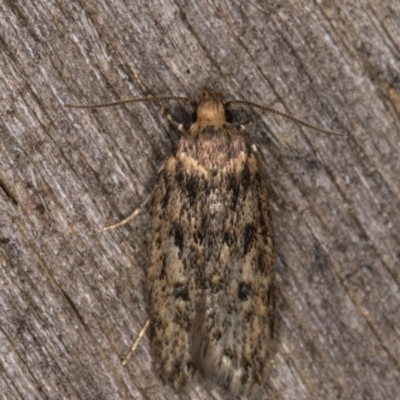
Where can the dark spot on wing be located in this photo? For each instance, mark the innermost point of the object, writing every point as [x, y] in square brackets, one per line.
[180, 176]
[181, 292]
[261, 262]
[244, 291]
[228, 238]
[217, 336]
[248, 237]
[191, 186]
[163, 272]
[178, 235]
[233, 186]
[229, 353]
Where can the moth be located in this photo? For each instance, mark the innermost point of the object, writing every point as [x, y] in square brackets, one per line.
[211, 275]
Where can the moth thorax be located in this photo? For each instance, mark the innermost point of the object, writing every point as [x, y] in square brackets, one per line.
[210, 111]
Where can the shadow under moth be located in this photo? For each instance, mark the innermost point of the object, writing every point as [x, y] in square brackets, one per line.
[211, 278]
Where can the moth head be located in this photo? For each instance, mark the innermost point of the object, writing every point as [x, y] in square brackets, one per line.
[210, 110]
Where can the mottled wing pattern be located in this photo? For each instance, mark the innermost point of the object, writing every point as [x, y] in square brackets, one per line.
[211, 278]
[172, 278]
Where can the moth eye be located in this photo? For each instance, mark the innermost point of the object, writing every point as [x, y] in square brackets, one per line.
[194, 116]
[228, 116]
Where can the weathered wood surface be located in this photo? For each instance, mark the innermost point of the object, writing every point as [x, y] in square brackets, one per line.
[72, 300]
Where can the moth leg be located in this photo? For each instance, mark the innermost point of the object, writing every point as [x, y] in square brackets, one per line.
[172, 119]
[136, 343]
[124, 221]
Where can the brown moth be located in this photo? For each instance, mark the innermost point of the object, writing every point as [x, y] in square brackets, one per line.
[211, 277]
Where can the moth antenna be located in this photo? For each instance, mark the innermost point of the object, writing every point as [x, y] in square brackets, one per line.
[155, 99]
[282, 114]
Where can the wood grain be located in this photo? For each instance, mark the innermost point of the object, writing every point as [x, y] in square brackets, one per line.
[72, 301]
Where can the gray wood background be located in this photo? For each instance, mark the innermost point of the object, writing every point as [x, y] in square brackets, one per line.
[72, 301]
